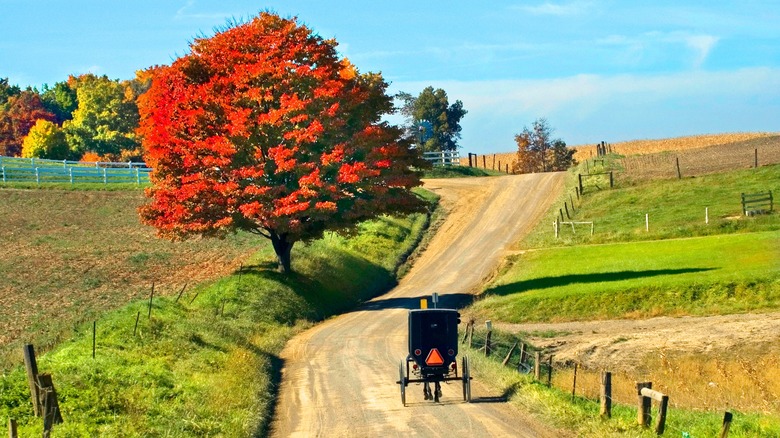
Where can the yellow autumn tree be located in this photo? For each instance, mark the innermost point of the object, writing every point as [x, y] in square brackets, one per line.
[45, 140]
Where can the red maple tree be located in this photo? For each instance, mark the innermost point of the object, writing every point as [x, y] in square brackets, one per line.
[263, 128]
[23, 110]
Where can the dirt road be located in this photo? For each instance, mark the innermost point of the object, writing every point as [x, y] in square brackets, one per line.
[339, 377]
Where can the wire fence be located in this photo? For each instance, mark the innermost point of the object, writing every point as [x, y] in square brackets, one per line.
[585, 385]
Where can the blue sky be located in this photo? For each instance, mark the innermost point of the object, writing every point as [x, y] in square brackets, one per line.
[597, 70]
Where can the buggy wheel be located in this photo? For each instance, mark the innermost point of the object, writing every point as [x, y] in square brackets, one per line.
[466, 372]
[402, 382]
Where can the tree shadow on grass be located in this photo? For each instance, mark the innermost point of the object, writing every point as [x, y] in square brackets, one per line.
[601, 277]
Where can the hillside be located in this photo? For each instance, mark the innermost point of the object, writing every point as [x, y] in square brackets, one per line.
[768, 143]
[675, 286]
[70, 255]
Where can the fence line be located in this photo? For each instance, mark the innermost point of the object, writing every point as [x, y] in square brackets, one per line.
[528, 359]
[41, 171]
[443, 158]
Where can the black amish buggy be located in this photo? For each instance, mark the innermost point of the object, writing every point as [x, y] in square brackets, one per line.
[433, 347]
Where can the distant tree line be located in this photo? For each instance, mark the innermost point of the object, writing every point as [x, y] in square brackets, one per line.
[86, 117]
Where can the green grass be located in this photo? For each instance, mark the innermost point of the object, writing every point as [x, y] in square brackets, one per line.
[676, 209]
[698, 276]
[555, 408]
[459, 172]
[208, 365]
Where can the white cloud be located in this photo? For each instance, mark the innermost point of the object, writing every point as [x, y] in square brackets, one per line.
[702, 45]
[185, 12]
[557, 9]
[588, 108]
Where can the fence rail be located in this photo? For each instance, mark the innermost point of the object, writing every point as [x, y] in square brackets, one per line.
[443, 158]
[42, 171]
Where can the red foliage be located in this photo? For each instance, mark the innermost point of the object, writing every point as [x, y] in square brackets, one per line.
[23, 110]
[261, 127]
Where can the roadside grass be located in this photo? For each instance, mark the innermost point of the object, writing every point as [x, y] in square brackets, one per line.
[208, 364]
[554, 407]
[698, 276]
[459, 172]
[676, 208]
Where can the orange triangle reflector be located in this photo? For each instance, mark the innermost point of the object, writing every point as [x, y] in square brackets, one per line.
[434, 358]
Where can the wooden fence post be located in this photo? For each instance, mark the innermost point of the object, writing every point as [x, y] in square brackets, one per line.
[549, 372]
[484, 161]
[32, 377]
[606, 394]
[94, 337]
[12, 428]
[677, 160]
[185, 287]
[493, 167]
[508, 355]
[644, 404]
[756, 159]
[537, 365]
[724, 430]
[611, 180]
[661, 423]
[574, 383]
[51, 409]
[566, 206]
[579, 175]
[522, 358]
[151, 297]
[487, 342]
[137, 316]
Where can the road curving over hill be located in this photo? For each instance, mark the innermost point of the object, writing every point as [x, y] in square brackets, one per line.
[339, 377]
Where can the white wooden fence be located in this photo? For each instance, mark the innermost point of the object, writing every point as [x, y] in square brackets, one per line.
[40, 171]
[443, 158]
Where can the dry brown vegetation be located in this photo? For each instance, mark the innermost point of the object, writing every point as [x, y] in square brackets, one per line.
[728, 151]
[700, 161]
[69, 255]
[492, 161]
[746, 379]
[638, 147]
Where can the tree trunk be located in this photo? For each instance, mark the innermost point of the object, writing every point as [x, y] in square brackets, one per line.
[283, 249]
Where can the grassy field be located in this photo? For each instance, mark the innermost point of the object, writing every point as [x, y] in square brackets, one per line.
[207, 364]
[695, 276]
[69, 255]
[679, 266]
[676, 209]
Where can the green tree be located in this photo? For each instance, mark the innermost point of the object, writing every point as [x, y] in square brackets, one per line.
[106, 118]
[431, 121]
[60, 100]
[45, 140]
[7, 91]
[562, 156]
